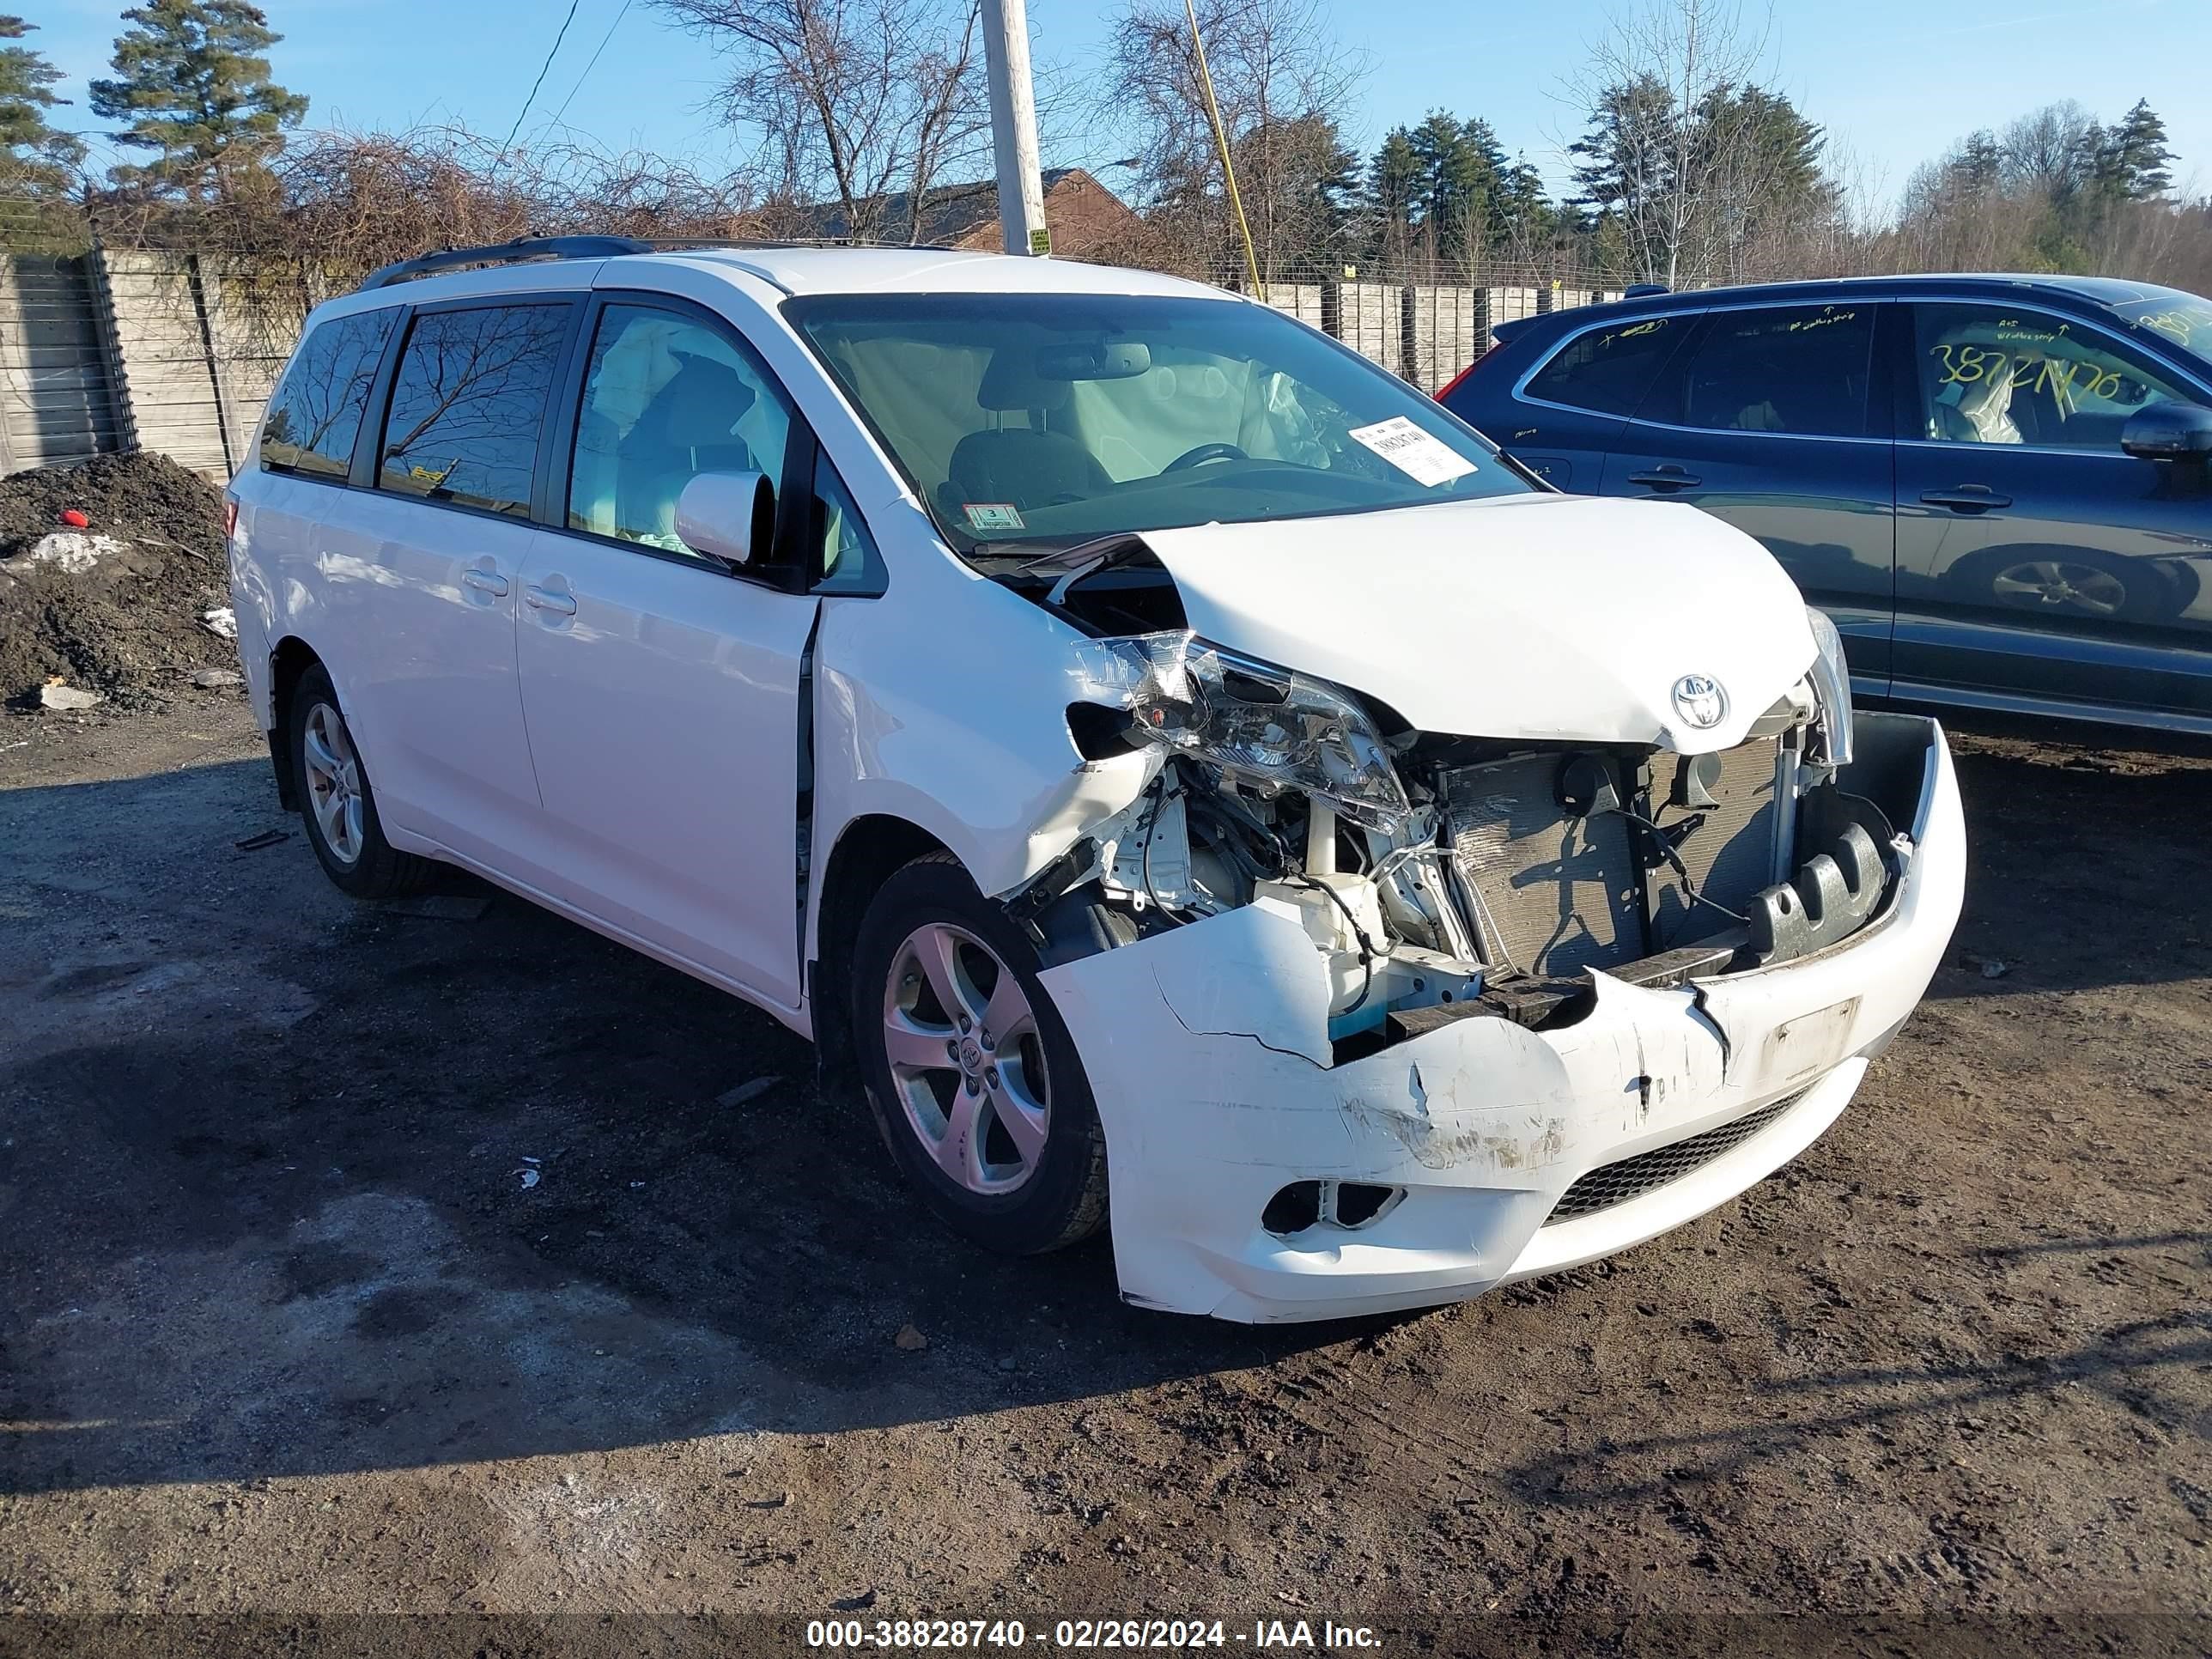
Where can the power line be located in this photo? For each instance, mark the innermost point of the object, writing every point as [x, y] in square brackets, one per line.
[558, 38]
[588, 68]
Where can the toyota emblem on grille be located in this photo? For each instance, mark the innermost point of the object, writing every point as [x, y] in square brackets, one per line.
[1699, 699]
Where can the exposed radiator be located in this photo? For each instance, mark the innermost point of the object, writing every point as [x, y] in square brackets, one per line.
[1560, 893]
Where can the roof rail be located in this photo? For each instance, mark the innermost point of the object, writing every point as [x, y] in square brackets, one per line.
[603, 247]
[499, 253]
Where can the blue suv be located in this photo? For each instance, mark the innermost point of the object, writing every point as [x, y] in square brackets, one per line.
[2000, 486]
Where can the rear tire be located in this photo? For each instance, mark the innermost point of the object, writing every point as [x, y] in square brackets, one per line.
[337, 804]
[995, 1127]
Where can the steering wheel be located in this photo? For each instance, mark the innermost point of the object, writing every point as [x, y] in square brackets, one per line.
[1202, 454]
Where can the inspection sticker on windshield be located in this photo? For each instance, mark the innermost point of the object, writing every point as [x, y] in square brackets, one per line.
[1421, 458]
[992, 515]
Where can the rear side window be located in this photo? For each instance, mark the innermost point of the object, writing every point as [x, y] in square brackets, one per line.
[1607, 370]
[1798, 369]
[469, 403]
[316, 414]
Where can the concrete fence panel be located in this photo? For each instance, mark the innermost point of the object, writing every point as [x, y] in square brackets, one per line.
[57, 394]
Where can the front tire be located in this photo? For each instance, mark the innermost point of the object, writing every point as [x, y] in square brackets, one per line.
[337, 803]
[974, 1081]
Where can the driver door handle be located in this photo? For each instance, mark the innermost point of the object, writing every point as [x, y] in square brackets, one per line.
[549, 599]
[1967, 498]
[1666, 478]
[485, 581]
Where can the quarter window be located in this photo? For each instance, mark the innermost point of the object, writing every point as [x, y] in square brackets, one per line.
[1986, 374]
[844, 554]
[468, 404]
[316, 414]
[1801, 369]
[667, 399]
[1607, 370]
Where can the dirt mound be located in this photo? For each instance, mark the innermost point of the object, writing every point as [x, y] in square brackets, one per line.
[114, 605]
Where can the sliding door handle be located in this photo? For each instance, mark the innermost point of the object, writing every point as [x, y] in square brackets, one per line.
[558, 600]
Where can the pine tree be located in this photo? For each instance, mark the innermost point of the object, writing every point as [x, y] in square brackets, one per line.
[1393, 184]
[34, 159]
[1527, 220]
[1627, 156]
[1978, 166]
[194, 85]
[2132, 160]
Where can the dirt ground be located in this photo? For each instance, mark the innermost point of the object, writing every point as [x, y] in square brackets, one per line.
[283, 1332]
[124, 623]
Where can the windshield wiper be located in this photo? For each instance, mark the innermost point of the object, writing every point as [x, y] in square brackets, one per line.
[1097, 553]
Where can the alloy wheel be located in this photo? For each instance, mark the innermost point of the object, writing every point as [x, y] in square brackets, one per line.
[966, 1059]
[334, 788]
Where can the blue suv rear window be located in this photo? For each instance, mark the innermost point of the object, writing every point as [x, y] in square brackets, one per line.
[1608, 369]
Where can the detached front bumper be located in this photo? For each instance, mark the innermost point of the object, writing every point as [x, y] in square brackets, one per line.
[1207, 1050]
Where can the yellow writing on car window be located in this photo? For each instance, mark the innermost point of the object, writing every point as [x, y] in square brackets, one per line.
[1652, 327]
[1970, 365]
[2178, 324]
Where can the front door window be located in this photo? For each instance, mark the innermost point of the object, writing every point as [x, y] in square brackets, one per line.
[666, 397]
[1989, 375]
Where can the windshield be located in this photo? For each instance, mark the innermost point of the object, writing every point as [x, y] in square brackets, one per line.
[2179, 319]
[1058, 418]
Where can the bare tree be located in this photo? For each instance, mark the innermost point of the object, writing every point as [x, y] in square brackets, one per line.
[1698, 169]
[867, 104]
[2051, 152]
[1283, 84]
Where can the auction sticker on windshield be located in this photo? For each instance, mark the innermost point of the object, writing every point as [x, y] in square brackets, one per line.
[992, 515]
[1421, 458]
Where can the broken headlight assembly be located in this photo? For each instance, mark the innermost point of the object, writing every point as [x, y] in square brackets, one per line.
[1269, 728]
[1832, 691]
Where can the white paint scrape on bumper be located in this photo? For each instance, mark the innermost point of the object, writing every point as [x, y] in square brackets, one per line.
[1207, 1052]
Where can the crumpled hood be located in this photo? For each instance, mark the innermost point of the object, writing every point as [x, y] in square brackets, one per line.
[1539, 617]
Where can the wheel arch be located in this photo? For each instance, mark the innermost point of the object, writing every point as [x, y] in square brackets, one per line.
[288, 663]
[868, 850]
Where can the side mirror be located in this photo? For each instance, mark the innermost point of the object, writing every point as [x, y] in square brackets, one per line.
[731, 515]
[2169, 432]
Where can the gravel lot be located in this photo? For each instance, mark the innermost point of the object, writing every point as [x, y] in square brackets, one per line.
[283, 1331]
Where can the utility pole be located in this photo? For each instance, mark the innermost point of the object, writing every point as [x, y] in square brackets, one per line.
[1013, 126]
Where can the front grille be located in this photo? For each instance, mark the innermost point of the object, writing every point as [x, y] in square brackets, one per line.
[1632, 1177]
[1561, 894]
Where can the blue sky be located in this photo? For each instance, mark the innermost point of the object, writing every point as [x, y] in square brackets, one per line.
[1894, 81]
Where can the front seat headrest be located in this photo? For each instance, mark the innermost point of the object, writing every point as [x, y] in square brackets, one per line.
[1011, 381]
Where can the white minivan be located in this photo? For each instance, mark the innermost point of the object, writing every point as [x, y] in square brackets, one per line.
[1144, 741]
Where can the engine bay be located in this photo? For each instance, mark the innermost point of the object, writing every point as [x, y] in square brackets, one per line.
[1442, 877]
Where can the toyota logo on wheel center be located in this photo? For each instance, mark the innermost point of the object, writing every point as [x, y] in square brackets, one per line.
[1699, 699]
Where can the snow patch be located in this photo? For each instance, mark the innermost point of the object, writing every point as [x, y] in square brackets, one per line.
[75, 551]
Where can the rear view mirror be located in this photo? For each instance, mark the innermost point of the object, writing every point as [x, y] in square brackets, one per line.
[1095, 360]
[2169, 432]
[731, 515]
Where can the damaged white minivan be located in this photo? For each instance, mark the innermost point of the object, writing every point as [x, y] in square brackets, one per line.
[1149, 745]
